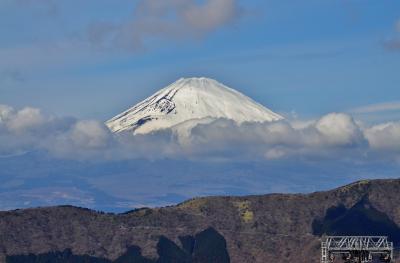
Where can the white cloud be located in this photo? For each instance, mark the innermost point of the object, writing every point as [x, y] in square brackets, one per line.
[334, 135]
[339, 129]
[24, 119]
[273, 140]
[89, 133]
[384, 136]
[5, 112]
[81, 140]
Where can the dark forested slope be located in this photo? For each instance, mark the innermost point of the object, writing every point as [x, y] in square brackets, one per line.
[265, 228]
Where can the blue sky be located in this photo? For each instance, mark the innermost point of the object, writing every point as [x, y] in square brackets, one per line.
[310, 57]
[330, 67]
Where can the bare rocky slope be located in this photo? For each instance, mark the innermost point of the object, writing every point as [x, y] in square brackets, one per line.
[265, 228]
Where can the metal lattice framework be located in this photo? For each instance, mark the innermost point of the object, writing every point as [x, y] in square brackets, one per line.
[357, 249]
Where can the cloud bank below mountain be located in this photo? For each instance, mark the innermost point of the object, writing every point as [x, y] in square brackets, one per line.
[335, 135]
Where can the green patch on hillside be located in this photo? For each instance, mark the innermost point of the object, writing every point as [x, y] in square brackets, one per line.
[244, 209]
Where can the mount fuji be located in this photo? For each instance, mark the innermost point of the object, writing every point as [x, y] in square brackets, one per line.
[193, 100]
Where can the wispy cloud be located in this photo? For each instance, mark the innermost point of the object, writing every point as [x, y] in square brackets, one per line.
[378, 107]
[394, 42]
[168, 19]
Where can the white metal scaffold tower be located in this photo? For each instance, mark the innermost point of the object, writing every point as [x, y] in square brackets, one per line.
[356, 249]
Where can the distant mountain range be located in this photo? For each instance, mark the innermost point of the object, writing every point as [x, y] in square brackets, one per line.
[194, 100]
[264, 228]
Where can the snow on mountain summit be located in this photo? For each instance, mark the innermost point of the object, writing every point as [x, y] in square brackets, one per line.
[189, 99]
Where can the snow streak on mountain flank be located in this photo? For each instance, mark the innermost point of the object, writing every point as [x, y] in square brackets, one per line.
[189, 99]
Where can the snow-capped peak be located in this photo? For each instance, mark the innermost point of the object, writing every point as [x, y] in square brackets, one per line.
[190, 99]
